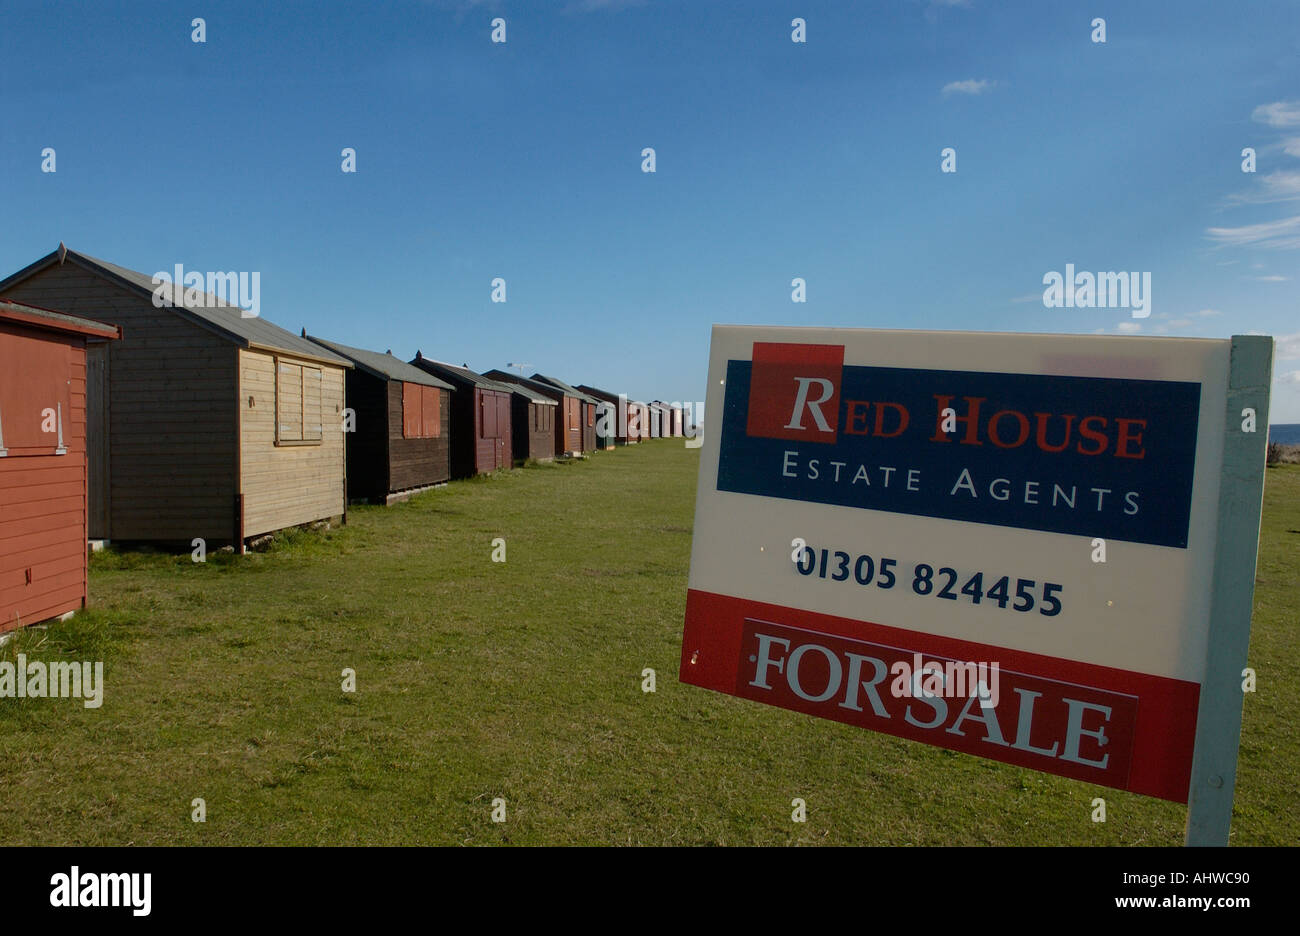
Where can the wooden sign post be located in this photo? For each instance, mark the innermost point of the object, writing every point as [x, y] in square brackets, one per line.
[1241, 494]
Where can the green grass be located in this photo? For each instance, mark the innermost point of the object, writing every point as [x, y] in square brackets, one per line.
[522, 680]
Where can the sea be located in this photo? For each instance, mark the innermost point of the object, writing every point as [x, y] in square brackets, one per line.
[1285, 433]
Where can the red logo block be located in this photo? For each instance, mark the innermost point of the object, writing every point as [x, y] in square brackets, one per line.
[794, 391]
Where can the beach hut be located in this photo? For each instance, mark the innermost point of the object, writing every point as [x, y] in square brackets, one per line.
[399, 441]
[214, 424]
[585, 410]
[606, 423]
[617, 414]
[43, 461]
[678, 427]
[534, 408]
[532, 417]
[480, 418]
[665, 420]
[657, 420]
[567, 429]
[638, 422]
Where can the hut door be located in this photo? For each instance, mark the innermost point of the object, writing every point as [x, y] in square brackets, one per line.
[503, 430]
[574, 407]
[97, 441]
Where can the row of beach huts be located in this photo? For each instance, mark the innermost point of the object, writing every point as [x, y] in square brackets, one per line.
[123, 418]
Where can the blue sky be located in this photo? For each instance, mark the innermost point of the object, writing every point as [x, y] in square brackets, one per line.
[775, 160]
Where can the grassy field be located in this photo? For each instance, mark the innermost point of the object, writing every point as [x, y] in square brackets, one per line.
[522, 680]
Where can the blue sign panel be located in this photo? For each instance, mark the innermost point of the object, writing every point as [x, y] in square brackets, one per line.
[1097, 457]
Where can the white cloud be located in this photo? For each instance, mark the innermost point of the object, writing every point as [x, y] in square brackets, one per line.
[969, 86]
[1290, 378]
[1275, 187]
[1207, 313]
[1273, 234]
[1271, 279]
[1179, 323]
[1278, 114]
[1281, 185]
[1128, 328]
[1287, 346]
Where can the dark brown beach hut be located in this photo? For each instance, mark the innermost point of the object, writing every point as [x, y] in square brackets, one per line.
[399, 436]
[617, 421]
[586, 410]
[480, 418]
[567, 435]
[532, 417]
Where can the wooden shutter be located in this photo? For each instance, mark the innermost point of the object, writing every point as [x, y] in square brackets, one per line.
[34, 393]
[431, 413]
[591, 414]
[412, 410]
[312, 427]
[288, 402]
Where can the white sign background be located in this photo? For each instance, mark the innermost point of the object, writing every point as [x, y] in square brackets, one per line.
[1146, 609]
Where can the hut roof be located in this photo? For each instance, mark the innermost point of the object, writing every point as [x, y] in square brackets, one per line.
[383, 366]
[572, 391]
[530, 389]
[226, 320]
[462, 374]
[48, 318]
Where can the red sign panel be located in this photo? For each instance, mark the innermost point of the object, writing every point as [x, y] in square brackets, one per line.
[795, 391]
[1099, 724]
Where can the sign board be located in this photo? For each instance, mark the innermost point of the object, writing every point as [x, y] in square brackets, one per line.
[1002, 544]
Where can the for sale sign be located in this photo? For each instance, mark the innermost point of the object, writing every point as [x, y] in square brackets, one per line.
[1000, 544]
